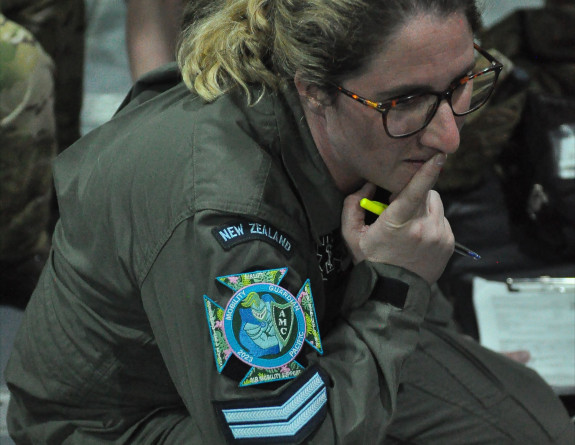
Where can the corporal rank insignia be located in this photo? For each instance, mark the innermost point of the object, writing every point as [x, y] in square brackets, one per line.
[289, 417]
[263, 325]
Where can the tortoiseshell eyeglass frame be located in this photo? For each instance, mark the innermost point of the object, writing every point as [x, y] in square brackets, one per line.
[384, 107]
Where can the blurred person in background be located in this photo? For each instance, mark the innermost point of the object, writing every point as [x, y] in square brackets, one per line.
[152, 31]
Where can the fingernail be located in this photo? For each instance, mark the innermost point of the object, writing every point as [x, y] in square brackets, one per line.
[440, 159]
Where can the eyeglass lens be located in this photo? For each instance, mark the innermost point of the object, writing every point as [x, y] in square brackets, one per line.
[411, 116]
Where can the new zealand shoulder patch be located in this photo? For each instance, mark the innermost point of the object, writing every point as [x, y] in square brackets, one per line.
[263, 325]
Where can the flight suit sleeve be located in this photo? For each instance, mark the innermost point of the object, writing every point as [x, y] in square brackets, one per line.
[347, 392]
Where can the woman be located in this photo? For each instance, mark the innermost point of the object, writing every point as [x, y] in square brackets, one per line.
[188, 204]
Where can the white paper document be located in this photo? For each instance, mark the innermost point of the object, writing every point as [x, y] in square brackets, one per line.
[535, 316]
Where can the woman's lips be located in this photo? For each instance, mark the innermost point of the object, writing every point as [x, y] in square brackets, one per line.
[418, 162]
[414, 165]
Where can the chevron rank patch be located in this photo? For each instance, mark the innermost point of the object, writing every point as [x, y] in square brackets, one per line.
[263, 326]
[288, 418]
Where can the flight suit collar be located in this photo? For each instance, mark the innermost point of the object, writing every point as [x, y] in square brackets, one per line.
[322, 200]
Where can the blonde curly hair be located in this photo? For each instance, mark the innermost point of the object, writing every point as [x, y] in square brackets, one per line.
[238, 43]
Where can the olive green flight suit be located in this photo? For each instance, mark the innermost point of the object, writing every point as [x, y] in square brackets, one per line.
[115, 346]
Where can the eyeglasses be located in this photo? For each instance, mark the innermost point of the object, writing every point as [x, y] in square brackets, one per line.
[403, 116]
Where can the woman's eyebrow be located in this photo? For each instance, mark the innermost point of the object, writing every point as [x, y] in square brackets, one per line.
[402, 90]
[417, 88]
[469, 69]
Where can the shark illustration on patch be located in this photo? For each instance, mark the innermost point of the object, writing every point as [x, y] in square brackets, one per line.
[263, 325]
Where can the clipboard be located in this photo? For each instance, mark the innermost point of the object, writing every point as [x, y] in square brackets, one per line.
[533, 314]
[541, 284]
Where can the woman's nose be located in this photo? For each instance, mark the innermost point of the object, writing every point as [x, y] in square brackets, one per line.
[442, 133]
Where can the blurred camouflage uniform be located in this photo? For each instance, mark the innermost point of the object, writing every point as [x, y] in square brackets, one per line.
[59, 26]
[42, 61]
[27, 147]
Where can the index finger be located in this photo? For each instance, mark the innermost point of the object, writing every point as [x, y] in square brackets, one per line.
[414, 194]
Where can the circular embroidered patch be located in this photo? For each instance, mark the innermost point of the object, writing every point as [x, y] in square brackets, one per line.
[264, 325]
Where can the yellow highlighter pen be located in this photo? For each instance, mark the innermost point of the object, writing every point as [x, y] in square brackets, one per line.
[378, 208]
[373, 206]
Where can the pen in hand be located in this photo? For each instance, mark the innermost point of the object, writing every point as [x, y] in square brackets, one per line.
[378, 208]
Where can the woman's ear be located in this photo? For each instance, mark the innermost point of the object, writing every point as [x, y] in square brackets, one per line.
[311, 97]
